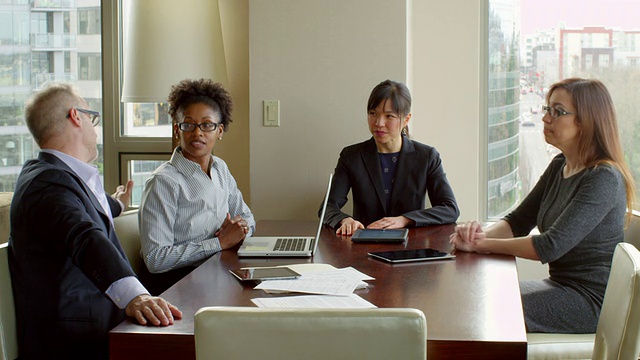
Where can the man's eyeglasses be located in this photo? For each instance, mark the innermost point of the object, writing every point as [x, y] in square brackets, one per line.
[204, 127]
[93, 115]
[554, 112]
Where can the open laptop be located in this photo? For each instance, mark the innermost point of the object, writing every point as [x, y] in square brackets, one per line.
[284, 246]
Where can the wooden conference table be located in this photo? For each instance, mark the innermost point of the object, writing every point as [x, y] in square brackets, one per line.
[472, 303]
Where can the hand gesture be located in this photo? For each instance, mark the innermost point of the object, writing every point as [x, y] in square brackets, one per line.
[232, 231]
[466, 236]
[124, 193]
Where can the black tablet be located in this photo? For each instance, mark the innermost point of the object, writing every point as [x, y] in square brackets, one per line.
[380, 235]
[400, 256]
[265, 273]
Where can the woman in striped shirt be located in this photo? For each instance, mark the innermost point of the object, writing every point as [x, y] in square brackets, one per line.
[191, 207]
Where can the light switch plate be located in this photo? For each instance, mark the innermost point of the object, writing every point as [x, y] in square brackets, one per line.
[271, 112]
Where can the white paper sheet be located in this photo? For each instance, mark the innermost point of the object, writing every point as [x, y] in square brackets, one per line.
[311, 285]
[321, 279]
[352, 301]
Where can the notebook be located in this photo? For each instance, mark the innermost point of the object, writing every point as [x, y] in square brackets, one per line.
[284, 246]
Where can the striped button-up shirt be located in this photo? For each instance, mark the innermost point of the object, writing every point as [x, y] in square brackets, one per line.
[181, 210]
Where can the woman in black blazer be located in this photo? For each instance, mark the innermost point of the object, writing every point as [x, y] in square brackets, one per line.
[390, 175]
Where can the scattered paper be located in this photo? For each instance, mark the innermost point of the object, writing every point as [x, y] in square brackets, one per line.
[310, 285]
[352, 301]
[321, 279]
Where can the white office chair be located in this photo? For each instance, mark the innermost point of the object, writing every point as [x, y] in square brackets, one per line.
[260, 333]
[8, 332]
[632, 231]
[126, 226]
[618, 333]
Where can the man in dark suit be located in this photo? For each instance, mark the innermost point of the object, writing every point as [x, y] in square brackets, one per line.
[72, 282]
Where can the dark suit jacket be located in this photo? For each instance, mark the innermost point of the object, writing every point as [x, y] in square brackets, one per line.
[419, 173]
[63, 255]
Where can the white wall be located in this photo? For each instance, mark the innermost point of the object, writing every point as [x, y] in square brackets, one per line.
[447, 91]
[322, 58]
[234, 148]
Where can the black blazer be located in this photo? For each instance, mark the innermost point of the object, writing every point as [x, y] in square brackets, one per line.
[63, 255]
[419, 173]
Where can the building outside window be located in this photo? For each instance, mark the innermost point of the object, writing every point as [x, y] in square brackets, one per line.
[550, 40]
[40, 42]
[60, 40]
[503, 168]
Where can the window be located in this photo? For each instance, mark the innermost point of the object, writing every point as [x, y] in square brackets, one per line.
[139, 168]
[43, 48]
[14, 69]
[588, 61]
[529, 48]
[505, 89]
[89, 21]
[41, 22]
[14, 27]
[67, 62]
[41, 62]
[142, 131]
[143, 119]
[12, 110]
[89, 67]
[147, 119]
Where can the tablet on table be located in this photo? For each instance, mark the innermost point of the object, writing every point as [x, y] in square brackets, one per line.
[380, 235]
[399, 256]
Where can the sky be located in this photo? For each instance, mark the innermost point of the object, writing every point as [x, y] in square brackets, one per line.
[545, 14]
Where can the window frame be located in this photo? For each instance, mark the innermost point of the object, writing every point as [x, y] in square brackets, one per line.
[120, 149]
[125, 164]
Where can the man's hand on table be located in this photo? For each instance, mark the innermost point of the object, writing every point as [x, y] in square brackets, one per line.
[151, 309]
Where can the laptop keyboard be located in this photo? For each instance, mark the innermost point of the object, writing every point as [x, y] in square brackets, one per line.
[290, 244]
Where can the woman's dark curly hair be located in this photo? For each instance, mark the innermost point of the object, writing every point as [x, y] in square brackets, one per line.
[204, 91]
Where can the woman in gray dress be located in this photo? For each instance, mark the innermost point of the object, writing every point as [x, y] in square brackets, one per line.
[579, 207]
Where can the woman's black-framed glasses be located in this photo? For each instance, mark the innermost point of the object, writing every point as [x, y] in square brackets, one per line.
[554, 112]
[204, 127]
[93, 115]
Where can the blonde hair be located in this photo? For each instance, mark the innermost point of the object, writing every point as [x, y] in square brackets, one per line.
[45, 108]
[600, 139]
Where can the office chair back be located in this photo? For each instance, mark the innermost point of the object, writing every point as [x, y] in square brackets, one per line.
[126, 226]
[259, 333]
[632, 231]
[618, 333]
[618, 326]
[8, 332]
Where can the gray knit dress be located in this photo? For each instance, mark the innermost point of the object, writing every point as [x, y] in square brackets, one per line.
[581, 219]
